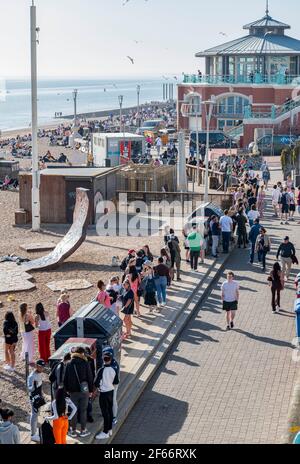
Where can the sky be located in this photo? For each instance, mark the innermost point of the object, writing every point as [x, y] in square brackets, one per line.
[92, 38]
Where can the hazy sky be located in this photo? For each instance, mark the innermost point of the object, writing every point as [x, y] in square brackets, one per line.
[91, 38]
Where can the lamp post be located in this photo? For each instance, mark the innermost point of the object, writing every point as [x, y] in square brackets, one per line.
[138, 90]
[121, 97]
[209, 106]
[75, 94]
[36, 219]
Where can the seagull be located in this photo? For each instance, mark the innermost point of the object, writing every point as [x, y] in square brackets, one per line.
[223, 33]
[115, 86]
[104, 90]
[124, 2]
[131, 59]
[175, 77]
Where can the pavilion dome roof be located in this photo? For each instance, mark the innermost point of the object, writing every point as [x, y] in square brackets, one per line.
[266, 22]
[268, 44]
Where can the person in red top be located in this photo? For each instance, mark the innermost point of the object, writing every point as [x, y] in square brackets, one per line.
[103, 297]
[64, 311]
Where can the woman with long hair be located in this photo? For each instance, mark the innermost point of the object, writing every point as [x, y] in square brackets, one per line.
[60, 416]
[10, 331]
[135, 281]
[148, 254]
[276, 282]
[263, 247]
[27, 330]
[127, 307]
[42, 323]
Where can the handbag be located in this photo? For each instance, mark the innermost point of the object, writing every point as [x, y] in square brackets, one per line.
[295, 260]
[84, 386]
[46, 434]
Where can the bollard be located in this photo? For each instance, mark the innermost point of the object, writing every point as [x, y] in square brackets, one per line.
[26, 367]
[297, 311]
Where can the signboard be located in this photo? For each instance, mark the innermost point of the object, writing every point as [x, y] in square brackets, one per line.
[125, 152]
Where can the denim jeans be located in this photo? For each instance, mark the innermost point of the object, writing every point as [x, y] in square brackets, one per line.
[226, 240]
[161, 288]
[215, 244]
[262, 258]
[252, 252]
[34, 421]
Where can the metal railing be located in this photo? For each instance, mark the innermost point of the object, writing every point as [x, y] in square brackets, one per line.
[256, 78]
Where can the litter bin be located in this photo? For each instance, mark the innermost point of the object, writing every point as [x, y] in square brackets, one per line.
[93, 321]
[58, 356]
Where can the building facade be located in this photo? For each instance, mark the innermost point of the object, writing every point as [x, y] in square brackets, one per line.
[254, 81]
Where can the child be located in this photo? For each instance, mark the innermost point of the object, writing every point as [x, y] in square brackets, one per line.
[103, 297]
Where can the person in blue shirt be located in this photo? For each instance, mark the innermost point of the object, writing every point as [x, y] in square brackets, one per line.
[253, 234]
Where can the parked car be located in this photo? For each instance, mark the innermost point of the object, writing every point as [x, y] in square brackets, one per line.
[272, 145]
[217, 139]
[154, 126]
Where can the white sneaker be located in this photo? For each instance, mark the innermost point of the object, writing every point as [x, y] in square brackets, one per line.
[6, 367]
[164, 304]
[35, 438]
[110, 433]
[102, 436]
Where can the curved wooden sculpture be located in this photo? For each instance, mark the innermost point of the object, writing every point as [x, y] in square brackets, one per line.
[71, 242]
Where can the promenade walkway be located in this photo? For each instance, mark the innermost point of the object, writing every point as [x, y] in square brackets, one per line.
[226, 387]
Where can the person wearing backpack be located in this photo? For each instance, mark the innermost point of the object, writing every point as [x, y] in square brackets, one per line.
[56, 377]
[173, 243]
[285, 206]
[60, 416]
[106, 379]
[78, 383]
[34, 386]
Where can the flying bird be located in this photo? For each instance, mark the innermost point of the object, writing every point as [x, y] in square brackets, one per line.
[175, 77]
[223, 33]
[131, 59]
[124, 2]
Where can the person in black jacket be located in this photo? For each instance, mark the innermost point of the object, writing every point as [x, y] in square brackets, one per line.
[286, 251]
[78, 383]
[10, 331]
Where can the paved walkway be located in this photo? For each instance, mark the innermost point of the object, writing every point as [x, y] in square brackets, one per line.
[220, 387]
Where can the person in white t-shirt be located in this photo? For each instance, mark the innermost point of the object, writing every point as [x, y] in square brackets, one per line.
[276, 195]
[253, 215]
[292, 195]
[226, 224]
[230, 299]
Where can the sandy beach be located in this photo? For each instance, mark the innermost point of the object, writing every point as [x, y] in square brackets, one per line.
[91, 262]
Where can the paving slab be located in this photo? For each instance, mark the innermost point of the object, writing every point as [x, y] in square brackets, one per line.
[74, 284]
[14, 279]
[38, 246]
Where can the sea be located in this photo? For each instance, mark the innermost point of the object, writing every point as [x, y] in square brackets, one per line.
[55, 96]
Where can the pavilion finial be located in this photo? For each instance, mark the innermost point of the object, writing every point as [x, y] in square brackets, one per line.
[267, 8]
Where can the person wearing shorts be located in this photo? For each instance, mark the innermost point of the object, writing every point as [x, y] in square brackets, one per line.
[230, 298]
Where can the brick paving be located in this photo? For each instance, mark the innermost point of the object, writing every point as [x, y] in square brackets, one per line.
[225, 387]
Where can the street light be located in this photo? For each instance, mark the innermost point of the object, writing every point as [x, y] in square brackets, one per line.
[138, 90]
[121, 97]
[188, 110]
[75, 94]
[209, 106]
[36, 218]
